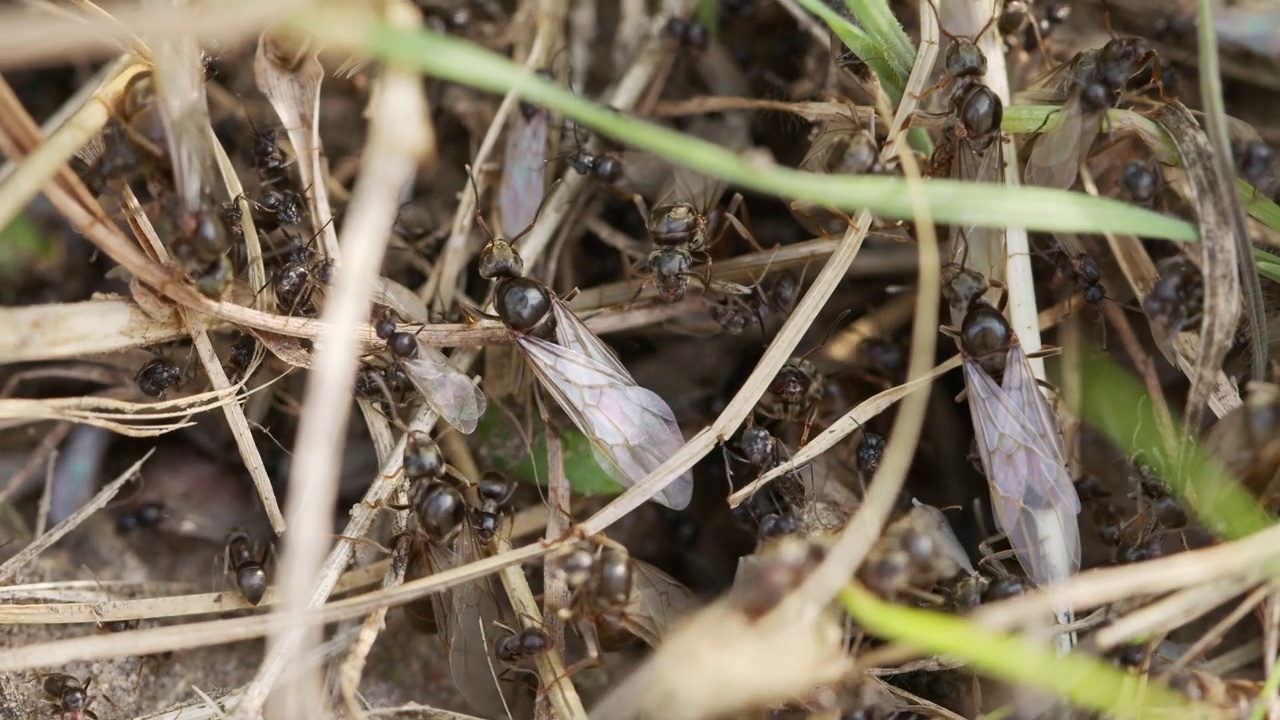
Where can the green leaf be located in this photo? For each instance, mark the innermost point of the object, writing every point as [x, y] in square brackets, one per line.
[508, 452]
[22, 245]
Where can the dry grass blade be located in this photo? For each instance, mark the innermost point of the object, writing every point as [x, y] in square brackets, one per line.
[44, 159]
[740, 663]
[14, 565]
[398, 138]
[1229, 211]
[36, 38]
[745, 399]
[62, 608]
[219, 632]
[291, 78]
[68, 330]
[1218, 252]
[840, 429]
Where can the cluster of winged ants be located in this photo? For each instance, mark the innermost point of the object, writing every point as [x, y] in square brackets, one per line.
[617, 600]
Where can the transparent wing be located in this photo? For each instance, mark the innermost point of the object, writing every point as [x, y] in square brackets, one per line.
[429, 557]
[449, 392]
[939, 528]
[984, 166]
[631, 429]
[1055, 158]
[1030, 490]
[476, 608]
[573, 334]
[524, 179]
[1021, 388]
[690, 186]
[657, 601]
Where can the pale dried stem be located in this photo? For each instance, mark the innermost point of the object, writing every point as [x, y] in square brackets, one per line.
[13, 565]
[233, 411]
[397, 139]
[52, 152]
[560, 690]
[1221, 628]
[294, 93]
[842, 428]
[847, 552]
[35, 38]
[353, 666]
[1166, 614]
[219, 632]
[74, 607]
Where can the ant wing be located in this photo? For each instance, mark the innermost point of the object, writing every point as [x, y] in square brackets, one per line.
[1055, 158]
[573, 334]
[690, 186]
[524, 179]
[447, 390]
[1022, 390]
[657, 601]
[631, 429]
[1030, 489]
[476, 605]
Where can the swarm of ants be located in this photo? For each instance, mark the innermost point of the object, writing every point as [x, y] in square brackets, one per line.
[476, 405]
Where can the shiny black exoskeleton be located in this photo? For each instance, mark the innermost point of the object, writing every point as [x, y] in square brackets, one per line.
[251, 576]
[157, 377]
[68, 696]
[511, 648]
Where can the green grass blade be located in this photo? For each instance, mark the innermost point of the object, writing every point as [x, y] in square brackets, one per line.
[1084, 681]
[1115, 404]
[950, 201]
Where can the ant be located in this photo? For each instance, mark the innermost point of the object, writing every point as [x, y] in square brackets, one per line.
[251, 577]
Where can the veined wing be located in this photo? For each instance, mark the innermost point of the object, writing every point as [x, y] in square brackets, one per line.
[472, 630]
[690, 186]
[524, 180]
[1031, 492]
[657, 601]
[631, 429]
[1021, 388]
[985, 166]
[1055, 157]
[448, 391]
[574, 335]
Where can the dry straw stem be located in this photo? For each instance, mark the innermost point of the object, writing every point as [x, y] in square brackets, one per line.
[813, 111]
[1219, 256]
[13, 565]
[292, 85]
[52, 152]
[111, 323]
[842, 428]
[353, 666]
[221, 632]
[1165, 615]
[443, 283]
[1221, 628]
[397, 139]
[233, 411]
[560, 691]
[106, 610]
[33, 38]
